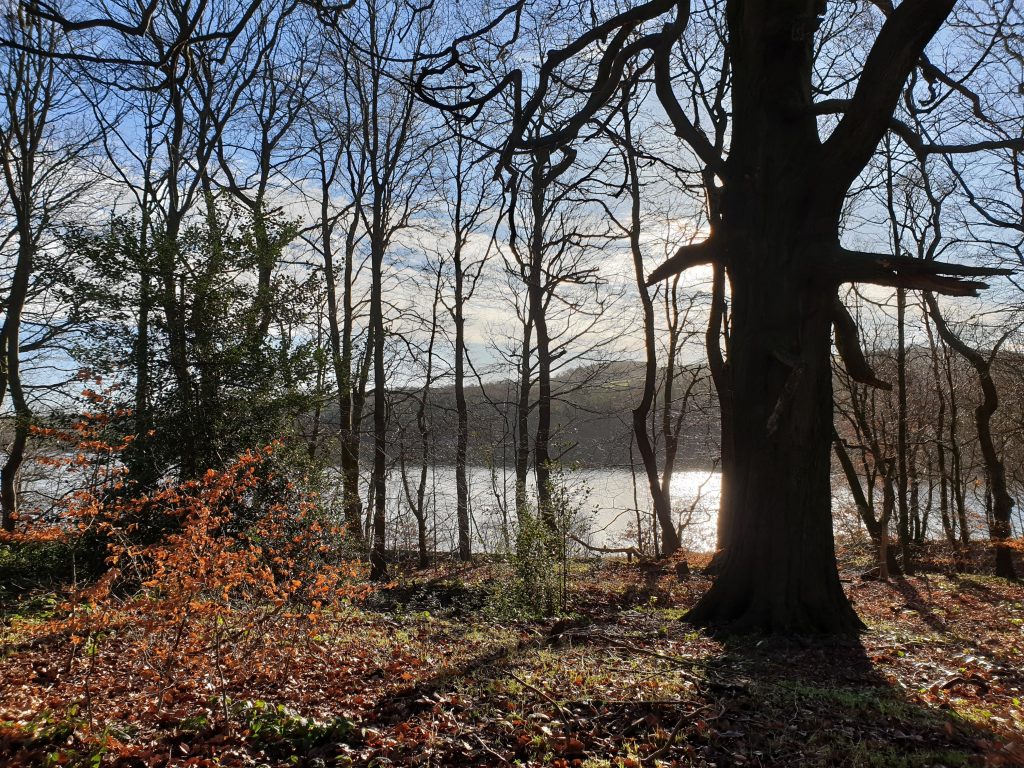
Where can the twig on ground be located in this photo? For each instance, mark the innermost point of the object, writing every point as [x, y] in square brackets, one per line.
[490, 751]
[675, 732]
[643, 651]
[543, 694]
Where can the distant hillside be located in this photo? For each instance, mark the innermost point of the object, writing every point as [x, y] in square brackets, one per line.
[591, 418]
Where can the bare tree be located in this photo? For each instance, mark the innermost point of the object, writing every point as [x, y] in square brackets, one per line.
[673, 410]
[464, 188]
[416, 500]
[781, 189]
[396, 141]
[43, 159]
[340, 171]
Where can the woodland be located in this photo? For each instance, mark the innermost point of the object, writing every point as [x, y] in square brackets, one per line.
[319, 321]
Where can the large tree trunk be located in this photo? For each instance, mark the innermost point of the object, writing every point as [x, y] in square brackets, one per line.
[778, 572]
[782, 191]
[780, 212]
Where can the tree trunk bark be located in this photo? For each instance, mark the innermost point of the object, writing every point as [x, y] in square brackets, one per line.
[462, 411]
[141, 465]
[424, 428]
[958, 488]
[341, 359]
[523, 422]
[885, 555]
[903, 510]
[536, 291]
[780, 209]
[940, 447]
[659, 486]
[778, 572]
[378, 557]
[16, 451]
[11, 353]
[659, 495]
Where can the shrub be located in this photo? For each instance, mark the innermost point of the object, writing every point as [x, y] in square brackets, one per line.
[199, 575]
[543, 545]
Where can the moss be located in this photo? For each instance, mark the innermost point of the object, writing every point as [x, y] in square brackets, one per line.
[856, 703]
[834, 750]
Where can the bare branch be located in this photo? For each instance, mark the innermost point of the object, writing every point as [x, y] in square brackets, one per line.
[906, 272]
[895, 53]
[685, 257]
[848, 345]
[916, 142]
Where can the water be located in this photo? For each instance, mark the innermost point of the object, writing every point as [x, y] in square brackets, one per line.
[607, 508]
[611, 507]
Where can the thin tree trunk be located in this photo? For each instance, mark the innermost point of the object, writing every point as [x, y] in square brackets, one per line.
[916, 522]
[864, 510]
[28, 101]
[538, 318]
[461, 408]
[423, 428]
[903, 509]
[378, 556]
[720, 377]
[885, 556]
[940, 446]
[1002, 503]
[340, 337]
[659, 492]
[523, 422]
[11, 337]
[958, 486]
[22, 426]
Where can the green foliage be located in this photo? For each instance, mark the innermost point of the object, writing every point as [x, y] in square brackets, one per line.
[543, 544]
[285, 732]
[54, 738]
[33, 565]
[210, 324]
[856, 704]
[537, 586]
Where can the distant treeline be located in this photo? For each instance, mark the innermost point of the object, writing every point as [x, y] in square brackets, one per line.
[591, 415]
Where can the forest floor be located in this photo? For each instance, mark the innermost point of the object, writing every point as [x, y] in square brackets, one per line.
[430, 673]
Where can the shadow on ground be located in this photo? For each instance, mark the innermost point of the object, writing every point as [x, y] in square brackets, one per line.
[637, 687]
